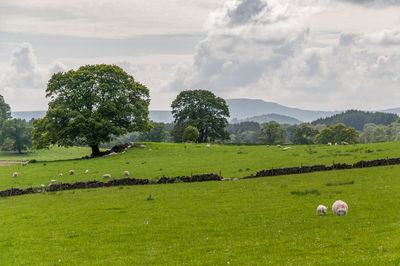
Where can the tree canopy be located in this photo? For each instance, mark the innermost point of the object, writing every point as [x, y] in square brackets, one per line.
[203, 110]
[336, 134]
[304, 134]
[272, 133]
[90, 106]
[17, 135]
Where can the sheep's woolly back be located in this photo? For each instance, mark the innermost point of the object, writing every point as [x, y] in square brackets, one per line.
[321, 209]
[340, 208]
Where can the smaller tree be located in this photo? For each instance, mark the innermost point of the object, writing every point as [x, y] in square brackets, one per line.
[190, 134]
[304, 134]
[156, 134]
[272, 133]
[17, 135]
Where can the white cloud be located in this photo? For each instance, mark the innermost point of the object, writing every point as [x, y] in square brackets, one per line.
[23, 82]
[277, 51]
[105, 18]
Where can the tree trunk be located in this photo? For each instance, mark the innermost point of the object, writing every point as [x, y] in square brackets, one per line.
[95, 150]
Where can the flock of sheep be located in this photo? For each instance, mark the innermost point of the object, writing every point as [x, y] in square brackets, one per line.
[71, 172]
[339, 208]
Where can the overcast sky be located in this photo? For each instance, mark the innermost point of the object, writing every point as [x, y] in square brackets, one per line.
[310, 54]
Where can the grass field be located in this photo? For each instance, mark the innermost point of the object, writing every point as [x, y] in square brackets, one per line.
[244, 222]
[183, 159]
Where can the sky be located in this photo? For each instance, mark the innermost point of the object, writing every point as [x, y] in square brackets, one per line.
[309, 54]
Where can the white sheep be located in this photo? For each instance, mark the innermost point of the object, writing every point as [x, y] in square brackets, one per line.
[150, 149]
[71, 172]
[286, 148]
[208, 146]
[345, 143]
[112, 153]
[340, 208]
[329, 143]
[15, 174]
[87, 171]
[321, 210]
[24, 163]
[106, 176]
[126, 173]
[142, 146]
[278, 145]
[60, 174]
[53, 181]
[267, 146]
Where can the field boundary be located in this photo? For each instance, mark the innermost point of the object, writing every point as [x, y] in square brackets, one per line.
[196, 178]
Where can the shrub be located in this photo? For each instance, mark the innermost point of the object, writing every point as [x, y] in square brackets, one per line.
[190, 134]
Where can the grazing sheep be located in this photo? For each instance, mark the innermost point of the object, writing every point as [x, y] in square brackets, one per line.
[87, 171]
[24, 163]
[335, 143]
[321, 210]
[53, 181]
[286, 148]
[340, 208]
[208, 146]
[142, 146]
[60, 174]
[106, 176]
[15, 174]
[329, 144]
[71, 172]
[345, 143]
[150, 149]
[126, 173]
[267, 146]
[278, 145]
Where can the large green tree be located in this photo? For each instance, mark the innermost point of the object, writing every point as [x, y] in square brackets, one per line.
[203, 110]
[336, 134]
[272, 133]
[17, 135]
[92, 105]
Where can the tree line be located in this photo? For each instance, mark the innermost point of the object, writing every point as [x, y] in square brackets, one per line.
[102, 105]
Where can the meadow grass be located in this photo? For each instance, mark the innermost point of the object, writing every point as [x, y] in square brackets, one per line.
[168, 159]
[245, 222]
[52, 154]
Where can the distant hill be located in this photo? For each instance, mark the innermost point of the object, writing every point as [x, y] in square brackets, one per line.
[244, 108]
[392, 111]
[357, 119]
[281, 119]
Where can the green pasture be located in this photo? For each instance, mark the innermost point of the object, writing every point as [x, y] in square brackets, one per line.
[52, 154]
[244, 222]
[183, 159]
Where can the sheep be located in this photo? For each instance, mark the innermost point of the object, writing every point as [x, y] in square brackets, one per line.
[53, 181]
[142, 146]
[24, 163]
[329, 143]
[87, 171]
[60, 174]
[335, 143]
[286, 148]
[340, 208]
[15, 174]
[126, 173]
[106, 176]
[278, 145]
[112, 153]
[267, 146]
[71, 172]
[345, 143]
[321, 210]
[208, 146]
